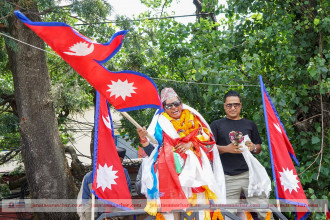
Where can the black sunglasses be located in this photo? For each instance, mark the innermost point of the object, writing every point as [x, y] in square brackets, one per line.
[230, 105]
[170, 105]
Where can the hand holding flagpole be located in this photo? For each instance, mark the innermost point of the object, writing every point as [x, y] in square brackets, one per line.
[125, 90]
[126, 115]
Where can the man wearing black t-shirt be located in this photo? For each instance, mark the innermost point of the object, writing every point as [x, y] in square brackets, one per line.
[235, 168]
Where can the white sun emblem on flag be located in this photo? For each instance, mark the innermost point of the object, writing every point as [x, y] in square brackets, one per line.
[289, 180]
[106, 177]
[121, 88]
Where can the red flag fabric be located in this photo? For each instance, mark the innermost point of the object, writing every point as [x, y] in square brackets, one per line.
[287, 184]
[125, 90]
[109, 182]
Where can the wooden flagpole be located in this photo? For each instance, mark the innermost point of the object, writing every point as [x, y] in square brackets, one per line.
[278, 205]
[93, 206]
[126, 115]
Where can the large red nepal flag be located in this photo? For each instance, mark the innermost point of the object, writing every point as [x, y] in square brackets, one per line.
[125, 90]
[287, 184]
[109, 182]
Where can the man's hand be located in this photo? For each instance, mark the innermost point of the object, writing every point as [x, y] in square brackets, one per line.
[142, 132]
[230, 148]
[254, 148]
[250, 145]
[183, 147]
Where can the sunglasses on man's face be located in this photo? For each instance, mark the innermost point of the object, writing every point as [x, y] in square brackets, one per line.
[230, 105]
[170, 105]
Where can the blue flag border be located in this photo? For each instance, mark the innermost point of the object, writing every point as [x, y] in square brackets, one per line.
[97, 117]
[26, 20]
[263, 89]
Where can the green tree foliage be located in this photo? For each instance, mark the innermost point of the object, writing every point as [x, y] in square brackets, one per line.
[70, 92]
[286, 42]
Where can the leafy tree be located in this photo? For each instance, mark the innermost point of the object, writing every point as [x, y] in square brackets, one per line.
[33, 107]
[286, 42]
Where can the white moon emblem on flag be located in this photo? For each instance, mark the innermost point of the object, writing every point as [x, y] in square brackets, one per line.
[277, 126]
[121, 88]
[106, 121]
[106, 176]
[81, 49]
[289, 180]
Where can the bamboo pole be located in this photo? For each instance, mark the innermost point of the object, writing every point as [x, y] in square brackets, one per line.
[93, 206]
[278, 205]
[126, 115]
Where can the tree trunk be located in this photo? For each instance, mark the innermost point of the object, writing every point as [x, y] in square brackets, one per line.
[46, 167]
[199, 14]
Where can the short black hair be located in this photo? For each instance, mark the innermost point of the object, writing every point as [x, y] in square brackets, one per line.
[231, 93]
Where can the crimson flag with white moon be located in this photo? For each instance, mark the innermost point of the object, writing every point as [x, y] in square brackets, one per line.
[288, 188]
[108, 174]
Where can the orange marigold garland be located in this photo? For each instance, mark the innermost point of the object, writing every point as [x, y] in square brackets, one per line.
[248, 215]
[269, 215]
[159, 216]
[187, 122]
[151, 207]
[217, 215]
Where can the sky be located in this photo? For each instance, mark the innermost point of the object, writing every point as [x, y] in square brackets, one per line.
[134, 7]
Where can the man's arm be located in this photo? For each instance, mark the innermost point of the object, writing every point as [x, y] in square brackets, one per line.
[255, 144]
[142, 132]
[88, 179]
[254, 148]
[214, 130]
[128, 179]
[138, 181]
[148, 149]
[230, 148]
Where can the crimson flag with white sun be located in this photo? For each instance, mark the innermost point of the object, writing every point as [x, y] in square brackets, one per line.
[109, 181]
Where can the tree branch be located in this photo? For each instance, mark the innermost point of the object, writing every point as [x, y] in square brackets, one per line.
[307, 119]
[318, 154]
[10, 99]
[161, 13]
[79, 19]
[322, 137]
[320, 45]
[4, 110]
[8, 156]
[46, 11]
[52, 9]
[72, 152]
[77, 168]
[4, 17]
